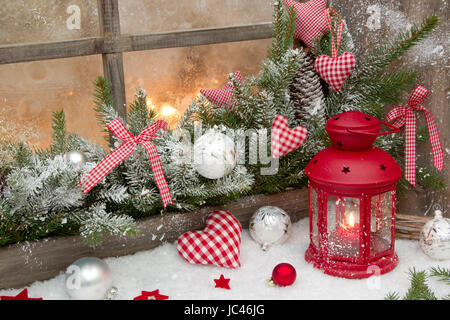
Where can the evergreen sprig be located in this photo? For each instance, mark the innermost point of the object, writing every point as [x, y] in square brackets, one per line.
[419, 288]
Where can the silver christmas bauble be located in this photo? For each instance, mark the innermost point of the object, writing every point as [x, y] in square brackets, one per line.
[88, 279]
[214, 155]
[76, 157]
[270, 225]
[435, 237]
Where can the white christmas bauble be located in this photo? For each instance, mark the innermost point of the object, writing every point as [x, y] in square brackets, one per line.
[89, 279]
[270, 225]
[76, 157]
[435, 237]
[214, 155]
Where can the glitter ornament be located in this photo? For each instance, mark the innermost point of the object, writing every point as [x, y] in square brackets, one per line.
[270, 225]
[76, 157]
[214, 155]
[89, 279]
[435, 237]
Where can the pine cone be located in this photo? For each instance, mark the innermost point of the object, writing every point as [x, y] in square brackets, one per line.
[306, 91]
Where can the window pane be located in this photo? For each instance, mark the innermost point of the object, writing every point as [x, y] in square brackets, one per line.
[174, 77]
[137, 16]
[49, 20]
[30, 92]
[343, 226]
[380, 223]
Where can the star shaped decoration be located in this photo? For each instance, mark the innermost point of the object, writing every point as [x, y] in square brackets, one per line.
[383, 167]
[222, 282]
[310, 19]
[151, 295]
[23, 295]
[346, 170]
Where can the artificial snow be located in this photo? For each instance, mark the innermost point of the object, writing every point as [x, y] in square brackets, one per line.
[162, 268]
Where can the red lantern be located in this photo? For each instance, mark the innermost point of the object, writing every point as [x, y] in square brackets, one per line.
[352, 200]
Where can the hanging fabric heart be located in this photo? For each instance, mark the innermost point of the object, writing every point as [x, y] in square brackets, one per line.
[217, 244]
[285, 139]
[335, 70]
[222, 97]
[310, 22]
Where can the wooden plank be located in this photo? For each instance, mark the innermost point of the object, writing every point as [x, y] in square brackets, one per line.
[15, 53]
[50, 50]
[113, 62]
[194, 37]
[22, 264]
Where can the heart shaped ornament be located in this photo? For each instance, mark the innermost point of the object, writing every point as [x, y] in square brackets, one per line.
[335, 71]
[218, 244]
[285, 139]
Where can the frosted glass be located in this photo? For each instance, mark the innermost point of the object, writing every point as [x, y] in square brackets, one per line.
[49, 20]
[174, 77]
[31, 91]
[137, 16]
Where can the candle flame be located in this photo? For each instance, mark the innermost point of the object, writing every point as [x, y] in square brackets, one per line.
[351, 220]
[168, 111]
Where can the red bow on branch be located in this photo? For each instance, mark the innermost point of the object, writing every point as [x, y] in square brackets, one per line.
[406, 116]
[122, 152]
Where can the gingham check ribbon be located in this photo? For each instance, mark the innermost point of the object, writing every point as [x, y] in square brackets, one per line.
[122, 152]
[223, 96]
[335, 70]
[406, 116]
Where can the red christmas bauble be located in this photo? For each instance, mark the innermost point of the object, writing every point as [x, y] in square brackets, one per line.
[284, 274]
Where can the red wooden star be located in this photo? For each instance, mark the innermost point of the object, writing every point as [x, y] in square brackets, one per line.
[21, 296]
[310, 19]
[151, 295]
[222, 282]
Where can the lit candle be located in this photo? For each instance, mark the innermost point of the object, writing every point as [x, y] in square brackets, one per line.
[349, 229]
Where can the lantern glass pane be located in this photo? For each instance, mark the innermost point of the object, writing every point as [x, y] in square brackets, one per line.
[314, 218]
[343, 226]
[380, 223]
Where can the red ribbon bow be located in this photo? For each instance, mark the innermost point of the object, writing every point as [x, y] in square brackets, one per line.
[406, 116]
[334, 48]
[122, 152]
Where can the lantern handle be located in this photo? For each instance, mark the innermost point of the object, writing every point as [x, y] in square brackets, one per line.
[376, 133]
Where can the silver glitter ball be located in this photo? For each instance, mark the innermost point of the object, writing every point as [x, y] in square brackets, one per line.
[88, 279]
[76, 157]
[270, 226]
[435, 237]
[112, 293]
[214, 155]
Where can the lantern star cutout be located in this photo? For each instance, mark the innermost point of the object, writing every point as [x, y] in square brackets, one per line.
[223, 96]
[310, 20]
[151, 295]
[222, 282]
[23, 295]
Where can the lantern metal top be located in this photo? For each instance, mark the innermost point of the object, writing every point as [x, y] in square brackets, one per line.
[354, 130]
[352, 162]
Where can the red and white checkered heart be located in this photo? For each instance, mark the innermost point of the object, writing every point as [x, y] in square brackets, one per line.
[335, 71]
[285, 139]
[218, 244]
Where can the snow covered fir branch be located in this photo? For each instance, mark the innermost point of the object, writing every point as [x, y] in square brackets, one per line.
[40, 189]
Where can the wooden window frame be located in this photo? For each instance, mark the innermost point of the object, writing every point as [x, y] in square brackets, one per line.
[111, 44]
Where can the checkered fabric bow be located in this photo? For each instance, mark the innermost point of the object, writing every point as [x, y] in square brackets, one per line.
[285, 139]
[406, 116]
[335, 70]
[122, 152]
[222, 97]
